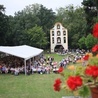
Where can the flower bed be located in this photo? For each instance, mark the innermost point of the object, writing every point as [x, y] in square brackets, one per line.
[81, 78]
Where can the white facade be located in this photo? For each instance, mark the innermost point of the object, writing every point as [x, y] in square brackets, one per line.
[58, 36]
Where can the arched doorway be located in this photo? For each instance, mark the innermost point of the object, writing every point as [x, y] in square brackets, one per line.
[58, 48]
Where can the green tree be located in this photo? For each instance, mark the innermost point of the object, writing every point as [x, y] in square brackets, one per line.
[47, 19]
[28, 18]
[3, 25]
[90, 8]
[81, 43]
[19, 24]
[37, 37]
[41, 16]
[90, 41]
[73, 18]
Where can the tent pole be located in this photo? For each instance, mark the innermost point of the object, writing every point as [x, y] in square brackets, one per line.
[25, 66]
[30, 63]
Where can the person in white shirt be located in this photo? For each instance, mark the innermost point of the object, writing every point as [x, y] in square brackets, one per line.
[16, 71]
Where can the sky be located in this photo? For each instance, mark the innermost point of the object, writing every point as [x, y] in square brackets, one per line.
[13, 6]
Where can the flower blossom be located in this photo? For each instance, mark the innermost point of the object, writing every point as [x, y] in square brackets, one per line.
[74, 81]
[86, 57]
[57, 84]
[92, 71]
[60, 69]
[95, 48]
[95, 30]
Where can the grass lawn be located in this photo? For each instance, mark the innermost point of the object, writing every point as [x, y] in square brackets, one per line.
[32, 86]
[57, 57]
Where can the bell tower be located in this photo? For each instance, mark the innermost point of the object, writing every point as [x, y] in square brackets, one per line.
[58, 37]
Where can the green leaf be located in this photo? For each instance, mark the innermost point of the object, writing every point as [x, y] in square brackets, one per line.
[84, 91]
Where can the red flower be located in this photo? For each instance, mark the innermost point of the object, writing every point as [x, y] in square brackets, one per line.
[86, 57]
[57, 84]
[92, 71]
[95, 48]
[74, 81]
[95, 30]
[60, 69]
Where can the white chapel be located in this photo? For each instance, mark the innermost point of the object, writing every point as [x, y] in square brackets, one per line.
[58, 38]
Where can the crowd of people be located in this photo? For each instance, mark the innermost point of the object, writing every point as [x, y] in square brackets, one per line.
[15, 65]
[39, 64]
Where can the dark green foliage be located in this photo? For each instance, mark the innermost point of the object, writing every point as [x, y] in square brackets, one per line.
[78, 20]
[3, 25]
[73, 18]
[90, 41]
[82, 43]
[47, 20]
[28, 18]
[37, 37]
[84, 91]
[90, 9]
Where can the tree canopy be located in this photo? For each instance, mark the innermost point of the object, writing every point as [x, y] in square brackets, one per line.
[3, 25]
[32, 25]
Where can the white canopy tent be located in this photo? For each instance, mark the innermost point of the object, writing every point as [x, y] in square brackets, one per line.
[24, 51]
